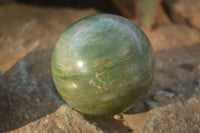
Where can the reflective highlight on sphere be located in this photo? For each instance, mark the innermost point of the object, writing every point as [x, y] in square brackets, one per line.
[102, 65]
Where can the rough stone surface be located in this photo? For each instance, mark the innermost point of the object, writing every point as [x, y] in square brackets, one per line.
[184, 11]
[63, 120]
[27, 35]
[24, 28]
[174, 82]
[29, 101]
[168, 35]
[181, 117]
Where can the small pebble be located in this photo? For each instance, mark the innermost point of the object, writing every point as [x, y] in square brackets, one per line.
[152, 104]
[59, 126]
[161, 96]
[37, 100]
[117, 117]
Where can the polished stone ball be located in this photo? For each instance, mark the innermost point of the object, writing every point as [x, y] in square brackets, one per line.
[102, 65]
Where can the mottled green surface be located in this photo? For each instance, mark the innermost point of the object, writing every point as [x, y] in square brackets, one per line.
[102, 65]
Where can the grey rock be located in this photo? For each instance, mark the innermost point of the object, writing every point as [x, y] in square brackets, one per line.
[161, 96]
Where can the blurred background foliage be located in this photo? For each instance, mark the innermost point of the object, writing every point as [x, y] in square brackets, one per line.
[143, 12]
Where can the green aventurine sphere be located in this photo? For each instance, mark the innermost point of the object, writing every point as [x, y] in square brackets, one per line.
[102, 65]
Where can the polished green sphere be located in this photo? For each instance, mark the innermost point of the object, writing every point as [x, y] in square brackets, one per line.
[102, 65]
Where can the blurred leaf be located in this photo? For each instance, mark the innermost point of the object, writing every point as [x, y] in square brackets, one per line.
[143, 12]
[147, 12]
